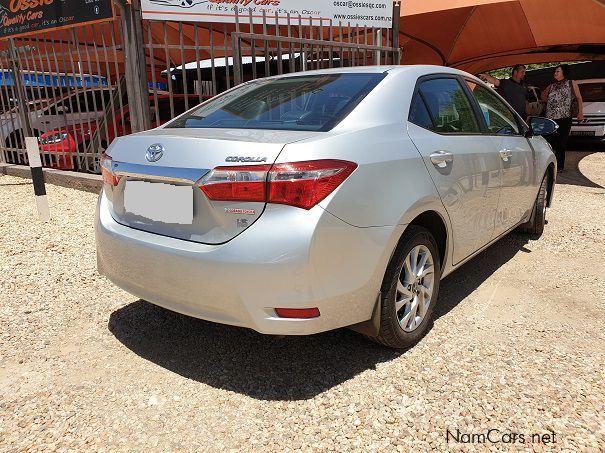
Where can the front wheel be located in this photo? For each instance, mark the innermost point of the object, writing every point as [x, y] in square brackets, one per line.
[409, 290]
[535, 225]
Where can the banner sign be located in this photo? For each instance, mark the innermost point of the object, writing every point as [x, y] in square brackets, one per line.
[24, 17]
[371, 13]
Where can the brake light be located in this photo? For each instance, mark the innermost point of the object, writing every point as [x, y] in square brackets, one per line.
[300, 184]
[109, 176]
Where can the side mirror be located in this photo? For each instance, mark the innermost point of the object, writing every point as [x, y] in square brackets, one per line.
[541, 126]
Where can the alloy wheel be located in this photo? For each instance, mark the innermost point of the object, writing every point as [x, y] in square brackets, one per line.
[415, 288]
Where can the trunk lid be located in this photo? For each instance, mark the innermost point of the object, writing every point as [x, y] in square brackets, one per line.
[162, 197]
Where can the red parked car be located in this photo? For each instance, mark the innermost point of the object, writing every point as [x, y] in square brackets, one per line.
[76, 138]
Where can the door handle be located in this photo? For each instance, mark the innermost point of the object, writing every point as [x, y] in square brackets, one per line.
[506, 154]
[441, 159]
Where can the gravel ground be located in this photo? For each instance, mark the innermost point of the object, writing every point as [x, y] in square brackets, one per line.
[518, 346]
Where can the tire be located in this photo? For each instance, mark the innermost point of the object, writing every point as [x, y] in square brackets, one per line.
[395, 331]
[535, 225]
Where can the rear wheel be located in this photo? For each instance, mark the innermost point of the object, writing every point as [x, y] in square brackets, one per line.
[410, 289]
[536, 223]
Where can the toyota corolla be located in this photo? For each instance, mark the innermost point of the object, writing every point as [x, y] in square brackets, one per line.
[308, 202]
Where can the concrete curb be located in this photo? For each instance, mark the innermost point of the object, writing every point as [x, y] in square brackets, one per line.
[80, 181]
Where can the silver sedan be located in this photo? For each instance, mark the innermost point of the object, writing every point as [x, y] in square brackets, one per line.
[308, 202]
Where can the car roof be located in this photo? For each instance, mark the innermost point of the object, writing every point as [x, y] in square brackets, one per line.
[417, 70]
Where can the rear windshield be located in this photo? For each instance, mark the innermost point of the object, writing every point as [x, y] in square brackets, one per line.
[592, 92]
[301, 103]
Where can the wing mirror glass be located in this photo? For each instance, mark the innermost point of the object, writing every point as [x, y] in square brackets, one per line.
[541, 126]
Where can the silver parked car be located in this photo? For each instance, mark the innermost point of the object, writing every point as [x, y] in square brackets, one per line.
[308, 202]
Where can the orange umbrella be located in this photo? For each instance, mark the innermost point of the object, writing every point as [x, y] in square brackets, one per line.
[478, 35]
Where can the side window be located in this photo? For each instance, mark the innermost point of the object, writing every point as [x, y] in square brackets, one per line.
[419, 115]
[449, 107]
[102, 98]
[77, 103]
[498, 117]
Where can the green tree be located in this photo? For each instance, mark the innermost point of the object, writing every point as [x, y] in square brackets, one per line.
[504, 73]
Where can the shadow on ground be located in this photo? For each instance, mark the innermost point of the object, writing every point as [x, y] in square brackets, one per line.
[572, 174]
[277, 368]
[6, 184]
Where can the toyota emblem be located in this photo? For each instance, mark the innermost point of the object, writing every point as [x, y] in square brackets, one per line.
[154, 152]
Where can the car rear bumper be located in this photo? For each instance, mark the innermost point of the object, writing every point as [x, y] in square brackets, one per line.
[290, 258]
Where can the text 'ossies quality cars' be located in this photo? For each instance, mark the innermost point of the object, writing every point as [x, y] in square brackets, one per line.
[307, 202]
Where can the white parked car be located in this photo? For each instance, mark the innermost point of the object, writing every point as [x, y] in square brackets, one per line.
[592, 127]
[74, 108]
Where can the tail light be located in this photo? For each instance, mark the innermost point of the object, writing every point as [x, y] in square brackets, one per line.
[109, 176]
[242, 183]
[300, 184]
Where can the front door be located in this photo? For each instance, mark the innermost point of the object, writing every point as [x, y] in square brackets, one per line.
[461, 160]
[516, 158]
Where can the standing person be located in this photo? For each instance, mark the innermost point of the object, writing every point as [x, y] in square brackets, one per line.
[559, 97]
[513, 90]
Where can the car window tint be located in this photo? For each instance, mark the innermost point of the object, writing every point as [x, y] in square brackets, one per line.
[307, 103]
[449, 107]
[76, 103]
[102, 98]
[498, 117]
[419, 115]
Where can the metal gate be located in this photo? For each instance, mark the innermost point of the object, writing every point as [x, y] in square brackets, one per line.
[77, 89]
[193, 61]
[59, 89]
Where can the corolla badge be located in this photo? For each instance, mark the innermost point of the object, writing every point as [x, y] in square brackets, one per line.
[154, 152]
[245, 159]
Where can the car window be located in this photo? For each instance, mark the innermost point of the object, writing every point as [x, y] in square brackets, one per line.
[498, 117]
[87, 101]
[304, 103]
[449, 107]
[419, 115]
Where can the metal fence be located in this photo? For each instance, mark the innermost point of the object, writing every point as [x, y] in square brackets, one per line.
[85, 86]
[65, 85]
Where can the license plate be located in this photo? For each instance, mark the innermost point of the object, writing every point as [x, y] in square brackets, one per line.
[159, 202]
[583, 133]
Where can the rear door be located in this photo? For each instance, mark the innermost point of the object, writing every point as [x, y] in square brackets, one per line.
[519, 184]
[462, 161]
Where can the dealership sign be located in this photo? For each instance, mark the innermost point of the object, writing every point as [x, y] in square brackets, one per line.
[371, 13]
[22, 17]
